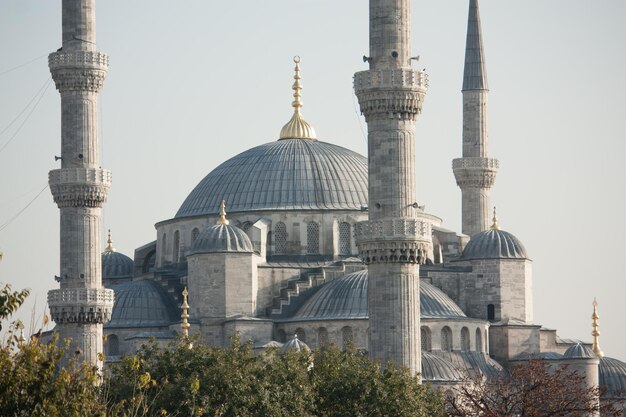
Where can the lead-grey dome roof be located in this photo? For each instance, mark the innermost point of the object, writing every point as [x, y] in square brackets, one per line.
[436, 369]
[222, 238]
[578, 351]
[291, 174]
[142, 303]
[494, 244]
[116, 265]
[612, 373]
[346, 298]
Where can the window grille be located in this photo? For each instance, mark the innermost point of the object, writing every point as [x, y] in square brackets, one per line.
[114, 345]
[280, 239]
[346, 336]
[446, 339]
[345, 239]
[176, 246]
[194, 234]
[163, 246]
[312, 238]
[281, 336]
[426, 342]
[301, 334]
[322, 336]
[465, 342]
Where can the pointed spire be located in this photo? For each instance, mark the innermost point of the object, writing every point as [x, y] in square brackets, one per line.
[109, 247]
[185, 316]
[495, 225]
[222, 219]
[595, 333]
[475, 73]
[297, 127]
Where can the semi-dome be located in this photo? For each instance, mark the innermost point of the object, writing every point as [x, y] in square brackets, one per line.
[289, 174]
[494, 244]
[222, 238]
[114, 263]
[436, 369]
[578, 351]
[142, 303]
[612, 374]
[295, 345]
[346, 298]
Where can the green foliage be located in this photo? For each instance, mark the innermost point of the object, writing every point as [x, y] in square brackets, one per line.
[10, 301]
[205, 381]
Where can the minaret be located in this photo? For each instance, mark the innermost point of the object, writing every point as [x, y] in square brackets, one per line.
[475, 173]
[80, 186]
[393, 242]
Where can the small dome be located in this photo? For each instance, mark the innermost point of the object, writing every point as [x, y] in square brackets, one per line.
[436, 369]
[494, 244]
[222, 238]
[296, 345]
[346, 298]
[578, 351]
[116, 265]
[142, 303]
[612, 373]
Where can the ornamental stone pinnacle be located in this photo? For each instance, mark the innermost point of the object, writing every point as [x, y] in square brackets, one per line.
[394, 241]
[80, 186]
[475, 173]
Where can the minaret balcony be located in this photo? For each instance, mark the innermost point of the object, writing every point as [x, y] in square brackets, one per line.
[475, 172]
[79, 187]
[78, 70]
[81, 305]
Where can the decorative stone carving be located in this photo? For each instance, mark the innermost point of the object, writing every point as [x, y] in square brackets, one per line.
[78, 70]
[81, 305]
[405, 240]
[399, 92]
[475, 172]
[79, 187]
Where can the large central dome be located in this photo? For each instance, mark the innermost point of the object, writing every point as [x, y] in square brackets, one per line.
[291, 174]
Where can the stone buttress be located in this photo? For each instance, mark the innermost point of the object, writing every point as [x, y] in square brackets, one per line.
[80, 186]
[475, 173]
[394, 241]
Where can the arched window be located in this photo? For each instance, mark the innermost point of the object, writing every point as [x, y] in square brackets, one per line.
[280, 239]
[176, 246]
[322, 336]
[446, 339]
[465, 342]
[479, 341]
[345, 239]
[113, 344]
[194, 234]
[346, 336]
[426, 339]
[281, 336]
[491, 312]
[301, 334]
[312, 238]
[163, 246]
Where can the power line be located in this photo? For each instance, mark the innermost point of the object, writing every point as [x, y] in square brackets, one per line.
[45, 84]
[8, 222]
[27, 117]
[22, 65]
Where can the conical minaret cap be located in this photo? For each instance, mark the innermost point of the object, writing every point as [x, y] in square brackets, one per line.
[297, 127]
[475, 73]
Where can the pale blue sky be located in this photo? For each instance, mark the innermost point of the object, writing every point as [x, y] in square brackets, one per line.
[193, 83]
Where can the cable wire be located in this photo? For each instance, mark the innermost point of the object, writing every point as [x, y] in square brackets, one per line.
[8, 222]
[45, 84]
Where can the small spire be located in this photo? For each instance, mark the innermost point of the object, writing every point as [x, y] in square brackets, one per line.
[297, 127]
[110, 247]
[595, 333]
[222, 219]
[495, 225]
[185, 316]
[474, 73]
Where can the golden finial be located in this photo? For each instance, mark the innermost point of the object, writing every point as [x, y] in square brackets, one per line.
[297, 127]
[109, 247]
[495, 226]
[595, 333]
[185, 316]
[223, 219]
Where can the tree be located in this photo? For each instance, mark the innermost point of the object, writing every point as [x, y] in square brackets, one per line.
[10, 301]
[533, 389]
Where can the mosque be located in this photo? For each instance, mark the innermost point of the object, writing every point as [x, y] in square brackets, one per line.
[286, 243]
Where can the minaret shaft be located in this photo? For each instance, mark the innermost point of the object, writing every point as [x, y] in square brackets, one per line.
[80, 186]
[393, 242]
[475, 172]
